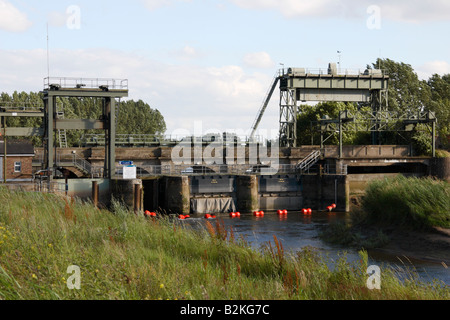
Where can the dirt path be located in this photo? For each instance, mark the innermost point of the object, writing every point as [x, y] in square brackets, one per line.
[427, 246]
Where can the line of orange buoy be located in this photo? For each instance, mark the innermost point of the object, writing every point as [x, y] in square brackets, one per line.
[282, 212]
[235, 214]
[330, 208]
[149, 214]
[307, 211]
[258, 213]
[209, 216]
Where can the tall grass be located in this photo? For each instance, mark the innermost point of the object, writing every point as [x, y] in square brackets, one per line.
[419, 203]
[125, 256]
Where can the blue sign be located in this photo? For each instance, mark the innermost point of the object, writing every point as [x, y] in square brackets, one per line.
[126, 163]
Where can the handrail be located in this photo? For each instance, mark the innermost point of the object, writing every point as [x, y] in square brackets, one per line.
[89, 83]
[309, 160]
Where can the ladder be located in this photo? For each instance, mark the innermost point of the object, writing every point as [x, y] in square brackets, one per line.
[264, 105]
[61, 132]
[309, 161]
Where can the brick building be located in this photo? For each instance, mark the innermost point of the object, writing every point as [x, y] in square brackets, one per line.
[19, 161]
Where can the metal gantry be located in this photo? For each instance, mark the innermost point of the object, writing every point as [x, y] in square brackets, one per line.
[369, 87]
[375, 122]
[107, 89]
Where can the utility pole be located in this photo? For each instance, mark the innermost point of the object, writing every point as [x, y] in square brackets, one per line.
[4, 150]
[339, 56]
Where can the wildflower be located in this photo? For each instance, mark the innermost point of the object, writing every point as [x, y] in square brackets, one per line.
[161, 286]
[34, 276]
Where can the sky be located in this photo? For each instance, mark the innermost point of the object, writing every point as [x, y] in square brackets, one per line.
[207, 65]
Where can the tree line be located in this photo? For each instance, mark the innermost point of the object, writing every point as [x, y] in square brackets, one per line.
[406, 93]
[134, 117]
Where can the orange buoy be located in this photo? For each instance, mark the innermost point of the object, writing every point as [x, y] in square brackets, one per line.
[213, 216]
[261, 213]
[305, 211]
[334, 206]
[207, 216]
[187, 216]
[309, 211]
[181, 217]
[329, 208]
[238, 214]
[285, 211]
[232, 214]
[280, 212]
[147, 213]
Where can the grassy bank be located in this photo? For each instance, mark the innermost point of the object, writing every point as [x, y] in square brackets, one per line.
[124, 256]
[418, 203]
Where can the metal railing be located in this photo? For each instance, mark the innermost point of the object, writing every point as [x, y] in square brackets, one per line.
[309, 161]
[154, 139]
[88, 83]
[338, 71]
[237, 169]
[21, 106]
[37, 186]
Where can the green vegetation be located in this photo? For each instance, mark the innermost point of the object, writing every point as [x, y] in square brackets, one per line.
[399, 203]
[135, 117]
[418, 203]
[125, 256]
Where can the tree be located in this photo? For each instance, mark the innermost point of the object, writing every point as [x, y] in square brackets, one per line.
[439, 103]
[309, 116]
[134, 117]
[406, 92]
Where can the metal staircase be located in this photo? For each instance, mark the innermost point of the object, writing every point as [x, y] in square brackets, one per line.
[61, 132]
[309, 161]
[264, 105]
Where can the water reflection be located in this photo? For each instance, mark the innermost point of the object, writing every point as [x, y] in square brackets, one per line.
[296, 231]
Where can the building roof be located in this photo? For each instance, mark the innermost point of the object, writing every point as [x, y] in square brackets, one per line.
[17, 147]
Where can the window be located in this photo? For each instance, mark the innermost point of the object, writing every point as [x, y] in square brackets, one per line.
[18, 166]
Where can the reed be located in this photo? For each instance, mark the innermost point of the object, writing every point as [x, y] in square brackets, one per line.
[125, 256]
[419, 203]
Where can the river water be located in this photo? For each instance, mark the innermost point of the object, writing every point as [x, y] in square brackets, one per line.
[297, 231]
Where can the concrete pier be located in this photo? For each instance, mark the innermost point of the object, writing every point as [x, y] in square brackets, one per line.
[247, 193]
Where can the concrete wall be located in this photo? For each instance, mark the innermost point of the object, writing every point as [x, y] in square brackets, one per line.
[440, 168]
[82, 188]
[321, 191]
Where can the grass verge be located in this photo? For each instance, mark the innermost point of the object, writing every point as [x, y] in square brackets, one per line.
[128, 257]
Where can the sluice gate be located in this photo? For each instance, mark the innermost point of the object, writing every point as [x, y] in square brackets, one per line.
[244, 193]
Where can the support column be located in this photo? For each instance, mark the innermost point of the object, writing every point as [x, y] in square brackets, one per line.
[110, 134]
[247, 193]
[178, 194]
[49, 101]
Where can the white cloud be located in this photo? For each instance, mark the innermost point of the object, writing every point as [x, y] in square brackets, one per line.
[57, 19]
[259, 60]
[11, 19]
[225, 97]
[425, 71]
[415, 11]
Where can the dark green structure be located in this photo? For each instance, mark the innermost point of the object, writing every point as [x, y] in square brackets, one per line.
[109, 90]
